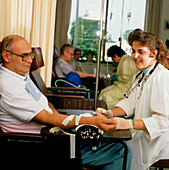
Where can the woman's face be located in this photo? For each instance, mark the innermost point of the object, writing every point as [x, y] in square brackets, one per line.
[142, 56]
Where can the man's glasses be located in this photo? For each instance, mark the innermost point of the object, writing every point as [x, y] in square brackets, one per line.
[72, 54]
[24, 56]
[78, 54]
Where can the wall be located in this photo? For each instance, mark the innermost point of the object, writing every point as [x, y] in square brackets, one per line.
[164, 34]
[89, 67]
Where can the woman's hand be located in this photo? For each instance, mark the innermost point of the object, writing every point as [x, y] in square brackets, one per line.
[102, 111]
[122, 123]
[106, 113]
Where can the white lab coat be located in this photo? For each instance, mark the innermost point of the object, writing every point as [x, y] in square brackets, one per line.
[152, 106]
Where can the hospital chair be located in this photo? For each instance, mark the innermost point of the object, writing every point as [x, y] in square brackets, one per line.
[88, 82]
[161, 164]
[59, 81]
[35, 76]
[61, 100]
[36, 151]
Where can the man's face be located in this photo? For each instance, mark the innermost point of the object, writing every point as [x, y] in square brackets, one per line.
[77, 55]
[15, 62]
[116, 59]
[69, 54]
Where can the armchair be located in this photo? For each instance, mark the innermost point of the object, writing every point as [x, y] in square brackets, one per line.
[161, 164]
[37, 79]
[61, 100]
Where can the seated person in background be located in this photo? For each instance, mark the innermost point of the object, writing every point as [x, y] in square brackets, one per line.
[62, 67]
[123, 78]
[23, 108]
[74, 62]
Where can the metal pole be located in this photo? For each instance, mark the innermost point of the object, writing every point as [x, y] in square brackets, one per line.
[105, 38]
[121, 30]
[98, 56]
[76, 24]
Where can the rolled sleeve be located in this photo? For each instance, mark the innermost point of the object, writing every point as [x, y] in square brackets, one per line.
[152, 128]
[155, 125]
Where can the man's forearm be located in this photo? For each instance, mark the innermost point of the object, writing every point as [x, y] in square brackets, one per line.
[55, 119]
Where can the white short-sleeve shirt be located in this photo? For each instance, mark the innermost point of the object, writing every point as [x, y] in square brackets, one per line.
[20, 102]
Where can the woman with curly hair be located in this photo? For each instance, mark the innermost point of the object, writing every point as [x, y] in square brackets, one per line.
[147, 102]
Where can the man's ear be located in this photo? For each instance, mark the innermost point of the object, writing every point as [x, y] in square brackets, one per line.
[5, 56]
[65, 52]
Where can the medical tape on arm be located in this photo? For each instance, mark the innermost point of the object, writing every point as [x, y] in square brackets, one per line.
[77, 120]
[67, 120]
[79, 117]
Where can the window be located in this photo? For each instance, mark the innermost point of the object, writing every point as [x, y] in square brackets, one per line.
[122, 17]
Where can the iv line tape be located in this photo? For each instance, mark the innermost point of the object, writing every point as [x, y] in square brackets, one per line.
[67, 120]
[82, 115]
[77, 118]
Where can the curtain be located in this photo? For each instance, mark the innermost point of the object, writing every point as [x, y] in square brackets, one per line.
[15, 18]
[35, 21]
[62, 22]
[153, 16]
[42, 34]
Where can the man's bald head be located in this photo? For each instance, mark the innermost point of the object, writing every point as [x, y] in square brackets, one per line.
[8, 41]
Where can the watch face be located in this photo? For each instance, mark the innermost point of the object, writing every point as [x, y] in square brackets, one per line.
[133, 122]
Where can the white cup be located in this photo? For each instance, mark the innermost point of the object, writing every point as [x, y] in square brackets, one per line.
[94, 71]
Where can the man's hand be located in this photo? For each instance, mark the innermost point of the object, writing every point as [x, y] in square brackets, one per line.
[104, 124]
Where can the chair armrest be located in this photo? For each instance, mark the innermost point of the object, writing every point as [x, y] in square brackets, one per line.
[53, 96]
[20, 137]
[67, 89]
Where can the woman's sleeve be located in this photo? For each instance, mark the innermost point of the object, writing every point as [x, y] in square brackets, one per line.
[159, 107]
[128, 104]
